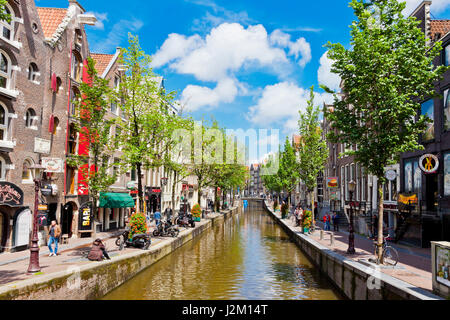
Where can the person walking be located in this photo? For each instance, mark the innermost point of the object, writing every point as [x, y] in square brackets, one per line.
[157, 217]
[53, 237]
[98, 251]
[335, 222]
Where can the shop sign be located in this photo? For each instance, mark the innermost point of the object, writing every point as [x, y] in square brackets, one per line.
[332, 182]
[42, 207]
[43, 219]
[85, 217]
[408, 199]
[391, 175]
[10, 194]
[47, 190]
[429, 163]
[334, 195]
[42, 145]
[53, 165]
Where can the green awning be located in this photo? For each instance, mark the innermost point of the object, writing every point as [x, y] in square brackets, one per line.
[116, 200]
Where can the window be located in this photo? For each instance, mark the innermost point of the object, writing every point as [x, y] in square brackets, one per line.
[428, 110]
[2, 169]
[113, 107]
[447, 55]
[7, 28]
[3, 123]
[29, 118]
[71, 180]
[413, 176]
[27, 173]
[58, 84]
[116, 171]
[117, 140]
[447, 109]
[33, 72]
[55, 125]
[76, 66]
[74, 98]
[133, 174]
[5, 70]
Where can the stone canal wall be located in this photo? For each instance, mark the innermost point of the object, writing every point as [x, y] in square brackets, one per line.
[96, 279]
[354, 280]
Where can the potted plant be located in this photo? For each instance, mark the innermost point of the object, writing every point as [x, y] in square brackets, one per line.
[138, 225]
[196, 212]
[307, 221]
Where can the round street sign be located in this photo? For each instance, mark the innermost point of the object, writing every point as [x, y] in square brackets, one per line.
[391, 175]
[429, 163]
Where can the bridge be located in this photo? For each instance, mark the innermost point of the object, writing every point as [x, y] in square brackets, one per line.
[254, 202]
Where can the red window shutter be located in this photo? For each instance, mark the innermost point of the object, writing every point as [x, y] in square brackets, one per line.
[51, 124]
[54, 83]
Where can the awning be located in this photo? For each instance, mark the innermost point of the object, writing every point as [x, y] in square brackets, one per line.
[116, 200]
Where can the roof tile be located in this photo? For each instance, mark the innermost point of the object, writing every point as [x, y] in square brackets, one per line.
[51, 18]
[101, 61]
[439, 28]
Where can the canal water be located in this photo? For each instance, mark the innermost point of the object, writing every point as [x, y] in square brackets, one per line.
[247, 257]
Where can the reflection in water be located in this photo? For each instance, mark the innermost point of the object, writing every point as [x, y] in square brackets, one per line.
[247, 257]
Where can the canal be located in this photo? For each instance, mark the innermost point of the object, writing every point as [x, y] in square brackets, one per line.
[247, 257]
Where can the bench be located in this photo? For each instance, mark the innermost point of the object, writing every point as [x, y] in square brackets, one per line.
[322, 233]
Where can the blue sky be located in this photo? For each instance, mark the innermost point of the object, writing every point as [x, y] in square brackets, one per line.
[248, 64]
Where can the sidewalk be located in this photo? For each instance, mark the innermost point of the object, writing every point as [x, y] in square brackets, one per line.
[13, 266]
[414, 265]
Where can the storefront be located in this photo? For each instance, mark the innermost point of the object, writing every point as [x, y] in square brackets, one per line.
[112, 211]
[15, 219]
[153, 199]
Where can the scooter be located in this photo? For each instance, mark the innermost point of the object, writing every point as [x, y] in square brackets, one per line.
[185, 220]
[142, 241]
[166, 229]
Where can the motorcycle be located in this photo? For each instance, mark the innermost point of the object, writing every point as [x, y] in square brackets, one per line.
[185, 220]
[166, 229]
[142, 241]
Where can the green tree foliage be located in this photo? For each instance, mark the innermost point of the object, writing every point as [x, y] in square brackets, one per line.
[93, 125]
[386, 72]
[288, 174]
[3, 14]
[313, 150]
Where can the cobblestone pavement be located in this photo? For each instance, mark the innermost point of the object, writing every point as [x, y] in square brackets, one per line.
[414, 265]
[13, 266]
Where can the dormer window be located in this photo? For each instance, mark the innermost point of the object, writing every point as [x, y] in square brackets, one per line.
[7, 28]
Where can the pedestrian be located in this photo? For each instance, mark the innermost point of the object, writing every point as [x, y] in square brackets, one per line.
[98, 251]
[53, 237]
[329, 221]
[157, 217]
[325, 222]
[335, 222]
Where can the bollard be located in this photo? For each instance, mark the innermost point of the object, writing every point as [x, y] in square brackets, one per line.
[321, 234]
[332, 239]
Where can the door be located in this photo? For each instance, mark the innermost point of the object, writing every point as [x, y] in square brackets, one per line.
[23, 229]
[431, 192]
[66, 219]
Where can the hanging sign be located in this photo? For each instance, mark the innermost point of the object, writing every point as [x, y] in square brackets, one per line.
[429, 163]
[42, 145]
[85, 217]
[391, 175]
[332, 182]
[53, 165]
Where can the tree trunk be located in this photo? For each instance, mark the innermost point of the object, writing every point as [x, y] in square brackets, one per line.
[380, 221]
[140, 191]
[199, 196]
[216, 204]
[174, 184]
[312, 209]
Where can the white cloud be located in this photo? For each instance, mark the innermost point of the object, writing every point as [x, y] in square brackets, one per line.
[176, 46]
[436, 7]
[299, 48]
[195, 97]
[281, 103]
[118, 33]
[325, 76]
[228, 48]
[101, 18]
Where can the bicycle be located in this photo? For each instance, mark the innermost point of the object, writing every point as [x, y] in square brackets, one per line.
[389, 255]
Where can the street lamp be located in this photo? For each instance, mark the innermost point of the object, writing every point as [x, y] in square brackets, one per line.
[34, 249]
[351, 236]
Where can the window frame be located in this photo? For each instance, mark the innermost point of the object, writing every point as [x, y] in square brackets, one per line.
[8, 74]
[5, 126]
[33, 72]
[30, 117]
[31, 174]
[10, 26]
[446, 107]
[2, 169]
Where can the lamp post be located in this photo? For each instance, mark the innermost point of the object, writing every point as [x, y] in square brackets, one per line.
[34, 249]
[351, 236]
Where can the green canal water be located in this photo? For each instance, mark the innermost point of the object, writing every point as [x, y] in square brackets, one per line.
[247, 257]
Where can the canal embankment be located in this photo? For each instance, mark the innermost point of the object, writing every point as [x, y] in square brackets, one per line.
[93, 280]
[355, 280]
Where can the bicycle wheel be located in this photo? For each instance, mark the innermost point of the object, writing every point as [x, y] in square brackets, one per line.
[390, 256]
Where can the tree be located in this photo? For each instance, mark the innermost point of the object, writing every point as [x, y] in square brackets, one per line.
[313, 150]
[144, 104]
[288, 173]
[4, 15]
[387, 70]
[271, 180]
[94, 129]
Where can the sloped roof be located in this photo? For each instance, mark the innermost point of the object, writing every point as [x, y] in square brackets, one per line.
[51, 18]
[441, 27]
[101, 61]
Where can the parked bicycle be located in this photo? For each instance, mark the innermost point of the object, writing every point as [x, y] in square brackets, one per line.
[389, 255]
